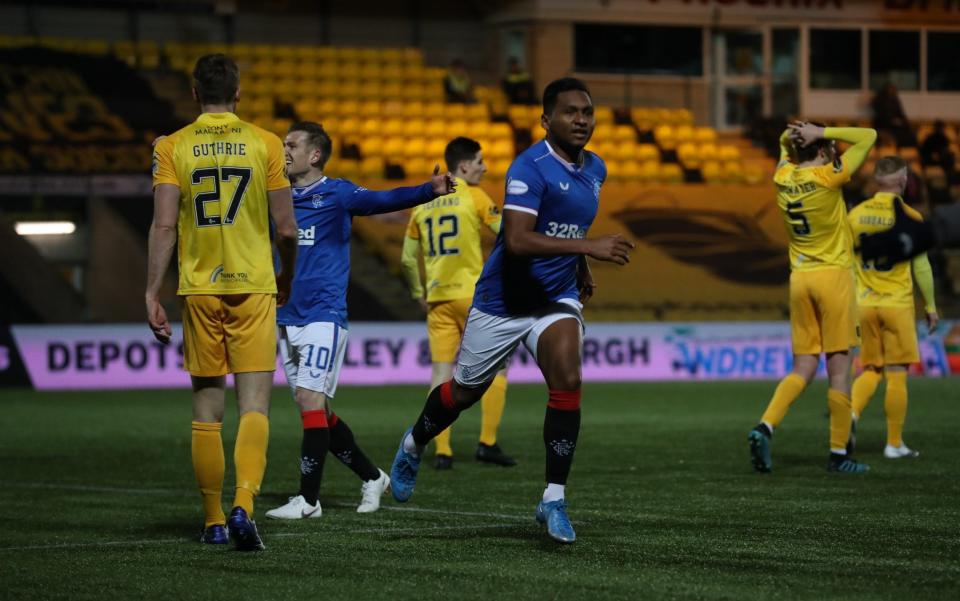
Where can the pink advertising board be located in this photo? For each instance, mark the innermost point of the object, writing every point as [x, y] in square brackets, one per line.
[125, 356]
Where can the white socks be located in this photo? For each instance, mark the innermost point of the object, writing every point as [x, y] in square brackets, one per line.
[409, 446]
[553, 492]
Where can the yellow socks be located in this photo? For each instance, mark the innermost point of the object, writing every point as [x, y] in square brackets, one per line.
[443, 443]
[206, 447]
[895, 405]
[840, 420]
[491, 410]
[250, 458]
[786, 393]
[863, 389]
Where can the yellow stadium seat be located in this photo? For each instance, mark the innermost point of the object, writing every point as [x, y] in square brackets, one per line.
[285, 68]
[368, 54]
[605, 148]
[501, 131]
[517, 113]
[392, 91]
[413, 55]
[603, 132]
[665, 136]
[650, 171]
[435, 128]
[391, 72]
[349, 126]
[477, 129]
[436, 147]
[732, 172]
[306, 106]
[262, 105]
[348, 108]
[391, 127]
[684, 116]
[349, 169]
[414, 128]
[457, 127]
[393, 149]
[683, 133]
[708, 152]
[625, 151]
[370, 108]
[284, 51]
[433, 110]
[370, 90]
[434, 74]
[614, 170]
[370, 71]
[642, 115]
[478, 112]
[631, 170]
[327, 70]
[728, 152]
[705, 134]
[327, 107]
[254, 86]
[415, 148]
[370, 126]
[348, 89]
[391, 55]
[304, 88]
[417, 167]
[281, 126]
[624, 133]
[497, 168]
[501, 148]
[648, 152]
[671, 173]
[371, 146]
[455, 111]
[603, 114]
[411, 109]
[414, 91]
[689, 154]
[711, 171]
[371, 167]
[348, 54]
[262, 67]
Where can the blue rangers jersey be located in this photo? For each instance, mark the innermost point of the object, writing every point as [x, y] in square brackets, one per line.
[564, 197]
[325, 211]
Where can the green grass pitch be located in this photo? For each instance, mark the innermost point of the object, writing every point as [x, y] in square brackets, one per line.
[98, 501]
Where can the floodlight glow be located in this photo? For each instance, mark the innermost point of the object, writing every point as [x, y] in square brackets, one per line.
[45, 228]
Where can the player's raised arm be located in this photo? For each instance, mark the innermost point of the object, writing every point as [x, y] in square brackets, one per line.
[786, 150]
[285, 239]
[860, 138]
[370, 202]
[161, 242]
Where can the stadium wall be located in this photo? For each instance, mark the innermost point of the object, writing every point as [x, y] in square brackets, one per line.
[126, 356]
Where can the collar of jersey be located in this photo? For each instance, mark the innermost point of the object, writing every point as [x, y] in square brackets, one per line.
[210, 118]
[889, 195]
[303, 189]
[572, 167]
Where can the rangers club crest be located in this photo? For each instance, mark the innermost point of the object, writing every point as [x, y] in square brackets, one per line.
[317, 201]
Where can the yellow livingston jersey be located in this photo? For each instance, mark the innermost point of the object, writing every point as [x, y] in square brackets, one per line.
[224, 168]
[448, 229]
[812, 203]
[887, 287]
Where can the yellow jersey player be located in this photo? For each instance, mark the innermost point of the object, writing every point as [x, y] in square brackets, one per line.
[447, 231]
[885, 296]
[217, 184]
[823, 311]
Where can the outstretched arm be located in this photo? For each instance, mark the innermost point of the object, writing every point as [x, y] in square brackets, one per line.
[369, 202]
[861, 138]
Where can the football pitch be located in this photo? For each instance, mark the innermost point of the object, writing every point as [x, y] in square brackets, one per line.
[98, 501]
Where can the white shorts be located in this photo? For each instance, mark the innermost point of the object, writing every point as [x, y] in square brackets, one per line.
[313, 355]
[488, 340]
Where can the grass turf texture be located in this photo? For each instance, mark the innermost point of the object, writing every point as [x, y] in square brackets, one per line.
[98, 500]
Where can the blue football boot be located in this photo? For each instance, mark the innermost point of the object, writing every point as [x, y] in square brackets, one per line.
[214, 535]
[554, 515]
[403, 472]
[243, 531]
[760, 451]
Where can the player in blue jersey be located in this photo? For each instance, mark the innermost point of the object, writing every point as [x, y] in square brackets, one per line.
[531, 291]
[313, 323]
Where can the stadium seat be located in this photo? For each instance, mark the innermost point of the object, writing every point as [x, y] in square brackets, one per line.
[433, 110]
[708, 151]
[414, 128]
[372, 167]
[455, 111]
[415, 148]
[371, 90]
[711, 171]
[417, 167]
[733, 171]
[683, 133]
[631, 170]
[370, 108]
[390, 127]
[435, 149]
[604, 132]
[705, 134]
[435, 128]
[728, 152]
[501, 131]
[671, 173]
[501, 148]
[349, 108]
[614, 170]
[624, 133]
[477, 129]
[665, 136]
[478, 112]
[603, 115]
[650, 171]
[497, 168]
[349, 126]
[648, 152]
[371, 146]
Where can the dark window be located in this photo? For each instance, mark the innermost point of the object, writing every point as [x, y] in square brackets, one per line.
[835, 59]
[943, 70]
[895, 58]
[646, 50]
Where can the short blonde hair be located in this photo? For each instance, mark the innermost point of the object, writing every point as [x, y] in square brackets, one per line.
[888, 166]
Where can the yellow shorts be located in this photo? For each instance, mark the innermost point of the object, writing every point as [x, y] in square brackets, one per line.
[233, 333]
[823, 311]
[889, 336]
[445, 323]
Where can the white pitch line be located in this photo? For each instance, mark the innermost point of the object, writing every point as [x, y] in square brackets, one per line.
[167, 541]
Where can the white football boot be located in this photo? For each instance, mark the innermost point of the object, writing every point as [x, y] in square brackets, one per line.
[296, 509]
[372, 491]
[892, 452]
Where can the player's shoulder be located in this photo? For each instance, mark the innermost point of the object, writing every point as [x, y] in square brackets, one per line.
[593, 163]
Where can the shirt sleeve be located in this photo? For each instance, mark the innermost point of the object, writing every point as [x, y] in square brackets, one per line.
[369, 202]
[525, 187]
[276, 163]
[413, 230]
[861, 140]
[487, 211]
[164, 171]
